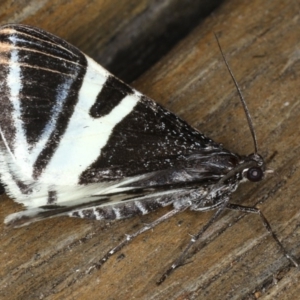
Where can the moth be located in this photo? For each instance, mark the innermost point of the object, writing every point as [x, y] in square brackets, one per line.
[76, 141]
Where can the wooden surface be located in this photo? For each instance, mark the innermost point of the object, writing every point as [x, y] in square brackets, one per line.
[126, 36]
[260, 39]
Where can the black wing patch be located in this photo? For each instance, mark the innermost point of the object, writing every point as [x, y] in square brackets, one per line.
[149, 139]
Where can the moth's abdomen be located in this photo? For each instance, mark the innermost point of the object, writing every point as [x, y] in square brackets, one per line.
[116, 212]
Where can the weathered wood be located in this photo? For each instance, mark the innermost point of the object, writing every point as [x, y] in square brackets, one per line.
[239, 260]
[126, 36]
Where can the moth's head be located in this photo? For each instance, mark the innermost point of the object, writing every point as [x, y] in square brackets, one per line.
[256, 170]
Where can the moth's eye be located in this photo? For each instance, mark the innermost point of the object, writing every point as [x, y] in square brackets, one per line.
[255, 174]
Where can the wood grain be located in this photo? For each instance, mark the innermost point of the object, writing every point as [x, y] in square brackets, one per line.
[126, 36]
[238, 259]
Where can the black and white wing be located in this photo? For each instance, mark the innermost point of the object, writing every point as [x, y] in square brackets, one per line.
[73, 136]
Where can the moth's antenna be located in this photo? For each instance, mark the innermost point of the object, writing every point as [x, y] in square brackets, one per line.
[246, 110]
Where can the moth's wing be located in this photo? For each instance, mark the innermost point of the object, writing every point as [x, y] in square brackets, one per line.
[47, 89]
[72, 134]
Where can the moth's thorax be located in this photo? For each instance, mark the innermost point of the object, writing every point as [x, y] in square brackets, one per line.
[233, 170]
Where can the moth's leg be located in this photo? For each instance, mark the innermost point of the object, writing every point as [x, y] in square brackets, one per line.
[254, 210]
[130, 237]
[178, 262]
